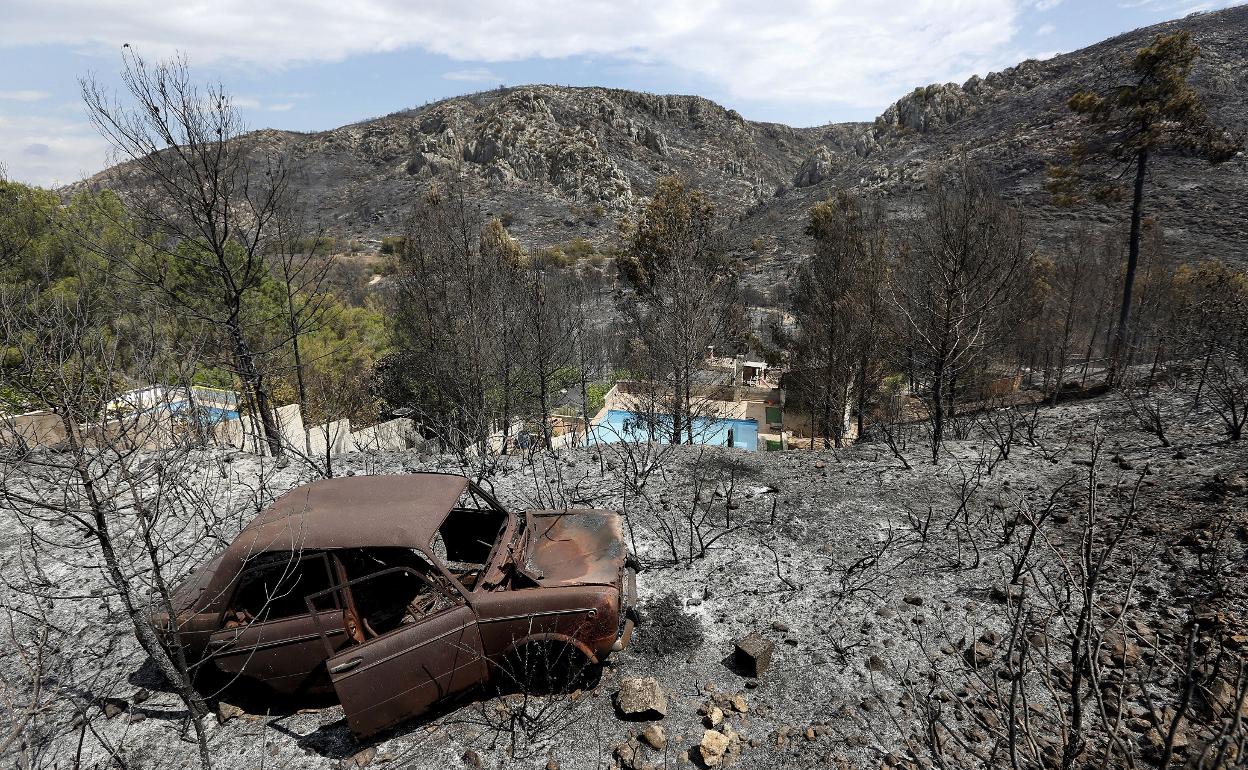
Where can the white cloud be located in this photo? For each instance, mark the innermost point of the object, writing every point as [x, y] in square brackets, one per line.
[24, 96]
[473, 75]
[798, 51]
[253, 103]
[49, 151]
[1046, 29]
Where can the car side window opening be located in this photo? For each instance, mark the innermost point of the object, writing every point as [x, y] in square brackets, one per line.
[393, 587]
[468, 535]
[273, 585]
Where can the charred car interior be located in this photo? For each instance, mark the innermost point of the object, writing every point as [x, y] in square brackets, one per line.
[396, 592]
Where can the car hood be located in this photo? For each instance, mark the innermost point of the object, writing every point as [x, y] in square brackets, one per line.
[575, 547]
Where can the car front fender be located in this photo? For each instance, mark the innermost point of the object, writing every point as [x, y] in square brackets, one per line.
[572, 641]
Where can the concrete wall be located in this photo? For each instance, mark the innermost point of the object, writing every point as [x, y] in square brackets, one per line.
[33, 429]
[243, 433]
[44, 430]
[392, 435]
[290, 425]
[330, 438]
[144, 431]
[157, 429]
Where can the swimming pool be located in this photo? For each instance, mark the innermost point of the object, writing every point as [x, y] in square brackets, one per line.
[208, 415]
[621, 425]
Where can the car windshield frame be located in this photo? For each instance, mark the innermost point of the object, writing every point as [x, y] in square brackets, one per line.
[493, 573]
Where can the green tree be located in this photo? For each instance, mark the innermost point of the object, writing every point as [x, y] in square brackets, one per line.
[838, 309]
[1130, 123]
[684, 291]
[54, 251]
[455, 321]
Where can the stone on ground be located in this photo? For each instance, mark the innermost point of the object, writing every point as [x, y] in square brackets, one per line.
[753, 654]
[641, 698]
[712, 748]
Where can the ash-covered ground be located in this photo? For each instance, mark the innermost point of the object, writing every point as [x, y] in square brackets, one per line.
[916, 613]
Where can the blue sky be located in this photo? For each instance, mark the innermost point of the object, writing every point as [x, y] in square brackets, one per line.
[317, 64]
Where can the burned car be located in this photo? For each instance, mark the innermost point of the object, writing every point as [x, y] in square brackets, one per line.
[401, 591]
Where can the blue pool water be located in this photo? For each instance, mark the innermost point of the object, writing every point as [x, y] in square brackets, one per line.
[209, 415]
[621, 425]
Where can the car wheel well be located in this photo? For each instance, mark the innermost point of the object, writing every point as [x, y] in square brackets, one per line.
[543, 663]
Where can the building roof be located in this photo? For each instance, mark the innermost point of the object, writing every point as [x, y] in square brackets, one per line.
[403, 511]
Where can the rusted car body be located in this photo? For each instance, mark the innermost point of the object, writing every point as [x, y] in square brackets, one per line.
[400, 591]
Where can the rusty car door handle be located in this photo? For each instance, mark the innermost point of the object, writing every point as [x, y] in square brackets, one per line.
[347, 666]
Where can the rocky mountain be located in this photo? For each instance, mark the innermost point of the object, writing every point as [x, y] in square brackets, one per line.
[1016, 122]
[557, 163]
[553, 162]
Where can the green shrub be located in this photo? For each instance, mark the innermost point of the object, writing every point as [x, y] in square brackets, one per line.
[579, 248]
[392, 244]
[597, 395]
[554, 257]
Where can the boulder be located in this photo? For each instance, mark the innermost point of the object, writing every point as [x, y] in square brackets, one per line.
[1121, 651]
[714, 716]
[627, 755]
[712, 748]
[1011, 592]
[753, 654]
[979, 654]
[641, 698]
[1218, 700]
[227, 711]
[654, 737]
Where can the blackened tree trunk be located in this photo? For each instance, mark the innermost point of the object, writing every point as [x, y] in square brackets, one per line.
[1120, 355]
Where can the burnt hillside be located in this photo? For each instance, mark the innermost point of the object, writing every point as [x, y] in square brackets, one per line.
[558, 163]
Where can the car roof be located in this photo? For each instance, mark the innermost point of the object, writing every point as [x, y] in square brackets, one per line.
[403, 511]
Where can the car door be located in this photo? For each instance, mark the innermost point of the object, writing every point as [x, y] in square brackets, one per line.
[412, 657]
[268, 633]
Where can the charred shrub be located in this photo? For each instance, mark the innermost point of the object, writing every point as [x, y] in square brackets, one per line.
[666, 629]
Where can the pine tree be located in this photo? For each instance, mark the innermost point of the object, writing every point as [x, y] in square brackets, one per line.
[1130, 123]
